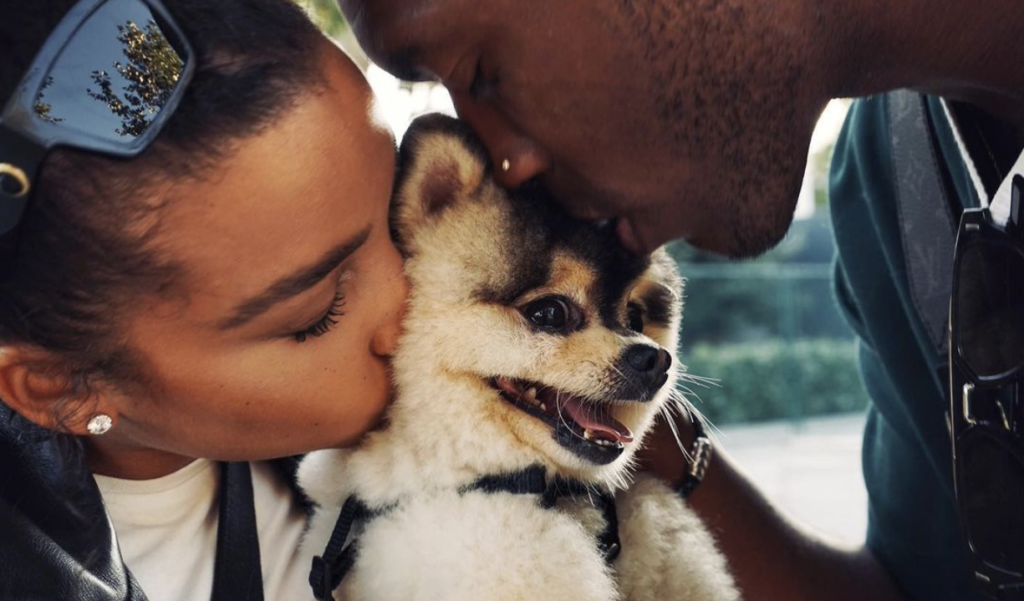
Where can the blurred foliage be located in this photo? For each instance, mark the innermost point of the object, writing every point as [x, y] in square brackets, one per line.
[326, 15]
[785, 293]
[772, 380]
[820, 163]
[790, 302]
[769, 330]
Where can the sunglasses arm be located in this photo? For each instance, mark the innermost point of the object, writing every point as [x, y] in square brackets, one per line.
[20, 161]
[1013, 225]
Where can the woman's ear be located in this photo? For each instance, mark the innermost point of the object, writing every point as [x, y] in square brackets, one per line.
[32, 384]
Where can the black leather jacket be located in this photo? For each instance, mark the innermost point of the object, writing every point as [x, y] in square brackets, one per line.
[55, 539]
[56, 542]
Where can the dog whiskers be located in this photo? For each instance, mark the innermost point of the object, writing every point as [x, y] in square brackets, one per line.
[681, 403]
[702, 381]
[561, 418]
[670, 419]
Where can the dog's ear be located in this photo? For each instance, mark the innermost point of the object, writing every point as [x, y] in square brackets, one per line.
[441, 163]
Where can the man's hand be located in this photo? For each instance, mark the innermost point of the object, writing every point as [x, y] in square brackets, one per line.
[661, 454]
[771, 557]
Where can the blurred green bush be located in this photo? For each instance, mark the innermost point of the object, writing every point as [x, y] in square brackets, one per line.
[773, 379]
[325, 14]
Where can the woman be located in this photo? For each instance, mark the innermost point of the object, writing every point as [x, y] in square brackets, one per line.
[231, 294]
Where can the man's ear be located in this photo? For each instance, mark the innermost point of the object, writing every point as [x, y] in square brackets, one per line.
[34, 386]
[441, 163]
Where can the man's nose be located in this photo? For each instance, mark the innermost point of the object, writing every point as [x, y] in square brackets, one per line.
[515, 157]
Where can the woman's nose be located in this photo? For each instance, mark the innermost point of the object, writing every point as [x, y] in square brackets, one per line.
[385, 339]
[515, 157]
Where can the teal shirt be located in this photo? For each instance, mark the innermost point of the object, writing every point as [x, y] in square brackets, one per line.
[913, 523]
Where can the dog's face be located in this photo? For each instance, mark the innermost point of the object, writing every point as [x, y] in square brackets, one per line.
[567, 338]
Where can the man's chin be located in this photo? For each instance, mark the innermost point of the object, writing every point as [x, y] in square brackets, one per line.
[732, 241]
[753, 239]
[747, 243]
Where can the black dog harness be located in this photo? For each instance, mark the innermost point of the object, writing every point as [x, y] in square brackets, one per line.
[338, 558]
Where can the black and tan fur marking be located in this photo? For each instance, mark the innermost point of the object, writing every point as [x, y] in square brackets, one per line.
[537, 229]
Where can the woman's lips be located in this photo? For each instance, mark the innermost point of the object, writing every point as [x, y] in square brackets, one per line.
[629, 237]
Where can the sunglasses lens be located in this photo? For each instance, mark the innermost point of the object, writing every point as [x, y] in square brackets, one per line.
[991, 499]
[113, 78]
[990, 309]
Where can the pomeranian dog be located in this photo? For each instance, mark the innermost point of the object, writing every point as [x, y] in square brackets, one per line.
[537, 352]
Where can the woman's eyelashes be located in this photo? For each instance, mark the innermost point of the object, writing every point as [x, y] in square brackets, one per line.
[325, 323]
[329, 319]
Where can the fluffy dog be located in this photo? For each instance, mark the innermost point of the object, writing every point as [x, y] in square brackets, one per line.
[537, 353]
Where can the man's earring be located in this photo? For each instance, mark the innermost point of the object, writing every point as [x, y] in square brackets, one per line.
[100, 424]
[506, 165]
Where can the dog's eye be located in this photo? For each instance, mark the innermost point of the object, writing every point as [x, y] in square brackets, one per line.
[635, 318]
[552, 313]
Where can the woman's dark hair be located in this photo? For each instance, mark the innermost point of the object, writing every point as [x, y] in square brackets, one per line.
[85, 249]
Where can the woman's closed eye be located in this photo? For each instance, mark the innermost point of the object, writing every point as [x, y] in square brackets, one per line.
[328, 319]
[325, 323]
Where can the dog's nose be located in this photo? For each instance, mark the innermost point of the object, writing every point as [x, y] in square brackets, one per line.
[646, 371]
[644, 359]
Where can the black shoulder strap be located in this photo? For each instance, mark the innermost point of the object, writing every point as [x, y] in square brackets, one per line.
[927, 224]
[237, 575]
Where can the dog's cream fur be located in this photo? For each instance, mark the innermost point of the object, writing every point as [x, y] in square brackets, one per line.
[448, 426]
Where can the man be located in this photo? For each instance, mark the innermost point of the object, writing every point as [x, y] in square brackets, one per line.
[691, 119]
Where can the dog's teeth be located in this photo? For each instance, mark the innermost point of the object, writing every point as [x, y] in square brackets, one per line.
[588, 435]
[530, 395]
[544, 406]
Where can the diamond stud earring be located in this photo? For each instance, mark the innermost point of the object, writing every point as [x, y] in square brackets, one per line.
[100, 424]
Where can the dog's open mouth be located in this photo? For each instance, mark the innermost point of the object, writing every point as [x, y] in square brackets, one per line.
[585, 428]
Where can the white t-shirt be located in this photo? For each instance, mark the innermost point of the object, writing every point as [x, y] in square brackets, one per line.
[167, 529]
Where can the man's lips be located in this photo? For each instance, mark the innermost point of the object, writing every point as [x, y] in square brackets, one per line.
[629, 237]
[626, 229]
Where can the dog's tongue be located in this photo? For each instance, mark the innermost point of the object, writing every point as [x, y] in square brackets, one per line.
[596, 419]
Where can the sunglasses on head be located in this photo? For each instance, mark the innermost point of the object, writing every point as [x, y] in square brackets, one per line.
[106, 80]
[986, 357]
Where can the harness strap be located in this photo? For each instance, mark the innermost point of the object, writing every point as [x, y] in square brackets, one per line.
[608, 540]
[533, 481]
[330, 568]
[530, 481]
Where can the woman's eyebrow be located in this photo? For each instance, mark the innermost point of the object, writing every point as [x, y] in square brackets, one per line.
[292, 285]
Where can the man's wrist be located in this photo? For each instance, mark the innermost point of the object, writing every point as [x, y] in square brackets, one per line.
[678, 452]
